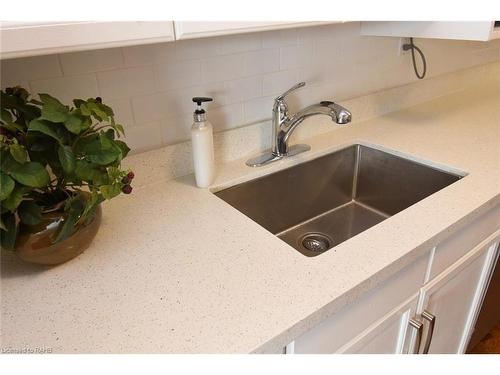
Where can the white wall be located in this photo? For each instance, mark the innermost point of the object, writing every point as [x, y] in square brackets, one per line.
[151, 86]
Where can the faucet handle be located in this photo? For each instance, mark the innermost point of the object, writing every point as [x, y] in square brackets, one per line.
[297, 86]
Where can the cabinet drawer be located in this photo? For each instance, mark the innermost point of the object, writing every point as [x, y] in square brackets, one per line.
[353, 319]
[463, 240]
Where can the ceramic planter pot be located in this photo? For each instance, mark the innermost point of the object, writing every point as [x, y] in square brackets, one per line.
[35, 243]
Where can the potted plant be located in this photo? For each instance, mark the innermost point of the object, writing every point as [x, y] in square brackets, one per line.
[58, 164]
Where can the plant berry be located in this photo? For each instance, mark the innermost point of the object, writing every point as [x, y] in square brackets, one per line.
[127, 189]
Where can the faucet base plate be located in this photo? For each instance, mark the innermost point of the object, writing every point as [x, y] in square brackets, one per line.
[269, 157]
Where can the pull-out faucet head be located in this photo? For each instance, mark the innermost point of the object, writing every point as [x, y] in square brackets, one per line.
[338, 113]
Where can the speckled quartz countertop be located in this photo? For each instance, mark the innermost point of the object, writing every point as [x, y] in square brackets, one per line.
[174, 269]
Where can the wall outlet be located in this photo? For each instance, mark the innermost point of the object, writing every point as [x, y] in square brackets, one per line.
[403, 41]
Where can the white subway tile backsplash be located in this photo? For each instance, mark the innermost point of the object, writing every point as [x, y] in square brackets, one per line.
[376, 78]
[123, 111]
[243, 89]
[91, 61]
[28, 69]
[261, 62]
[177, 75]
[366, 49]
[176, 129]
[191, 49]
[239, 43]
[68, 88]
[276, 83]
[279, 38]
[150, 86]
[296, 57]
[143, 138]
[157, 106]
[226, 117]
[222, 68]
[153, 107]
[123, 83]
[258, 109]
[324, 91]
[148, 54]
[317, 73]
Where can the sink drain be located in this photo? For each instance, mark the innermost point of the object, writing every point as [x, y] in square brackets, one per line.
[316, 242]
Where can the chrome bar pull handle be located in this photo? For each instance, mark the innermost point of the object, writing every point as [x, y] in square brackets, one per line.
[419, 327]
[297, 86]
[430, 332]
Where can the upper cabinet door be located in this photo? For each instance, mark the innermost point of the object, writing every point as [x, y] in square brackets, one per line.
[464, 30]
[29, 39]
[201, 29]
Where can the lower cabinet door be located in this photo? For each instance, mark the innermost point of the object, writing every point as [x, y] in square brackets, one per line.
[449, 304]
[387, 301]
[389, 335]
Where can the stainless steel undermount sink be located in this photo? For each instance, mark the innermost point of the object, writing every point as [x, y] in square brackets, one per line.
[316, 205]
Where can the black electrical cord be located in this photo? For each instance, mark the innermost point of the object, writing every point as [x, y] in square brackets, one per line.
[413, 47]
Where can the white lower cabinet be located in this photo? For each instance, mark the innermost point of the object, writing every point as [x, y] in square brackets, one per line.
[386, 336]
[449, 304]
[381, 311]
[410, 314]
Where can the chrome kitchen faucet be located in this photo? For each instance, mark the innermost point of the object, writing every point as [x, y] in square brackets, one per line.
[284, 125]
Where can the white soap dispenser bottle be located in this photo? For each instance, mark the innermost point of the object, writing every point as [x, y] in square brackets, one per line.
[203, 145]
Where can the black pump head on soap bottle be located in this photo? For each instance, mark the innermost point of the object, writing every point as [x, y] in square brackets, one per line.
[199, 100]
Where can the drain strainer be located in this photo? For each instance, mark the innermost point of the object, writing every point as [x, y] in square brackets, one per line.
[316, 242]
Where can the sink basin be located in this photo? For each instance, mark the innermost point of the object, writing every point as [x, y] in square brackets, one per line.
[316, 205]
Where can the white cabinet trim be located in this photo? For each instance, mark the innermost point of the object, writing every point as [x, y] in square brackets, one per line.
[479, 296]
[198, 29]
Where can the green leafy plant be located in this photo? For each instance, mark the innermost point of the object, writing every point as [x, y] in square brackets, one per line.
[53, 154]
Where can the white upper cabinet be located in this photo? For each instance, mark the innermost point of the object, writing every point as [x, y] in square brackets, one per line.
[19, 39]
[466, 30]
[201, 29]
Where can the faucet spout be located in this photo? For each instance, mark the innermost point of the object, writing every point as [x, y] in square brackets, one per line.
[338, 114]
[284, 125]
